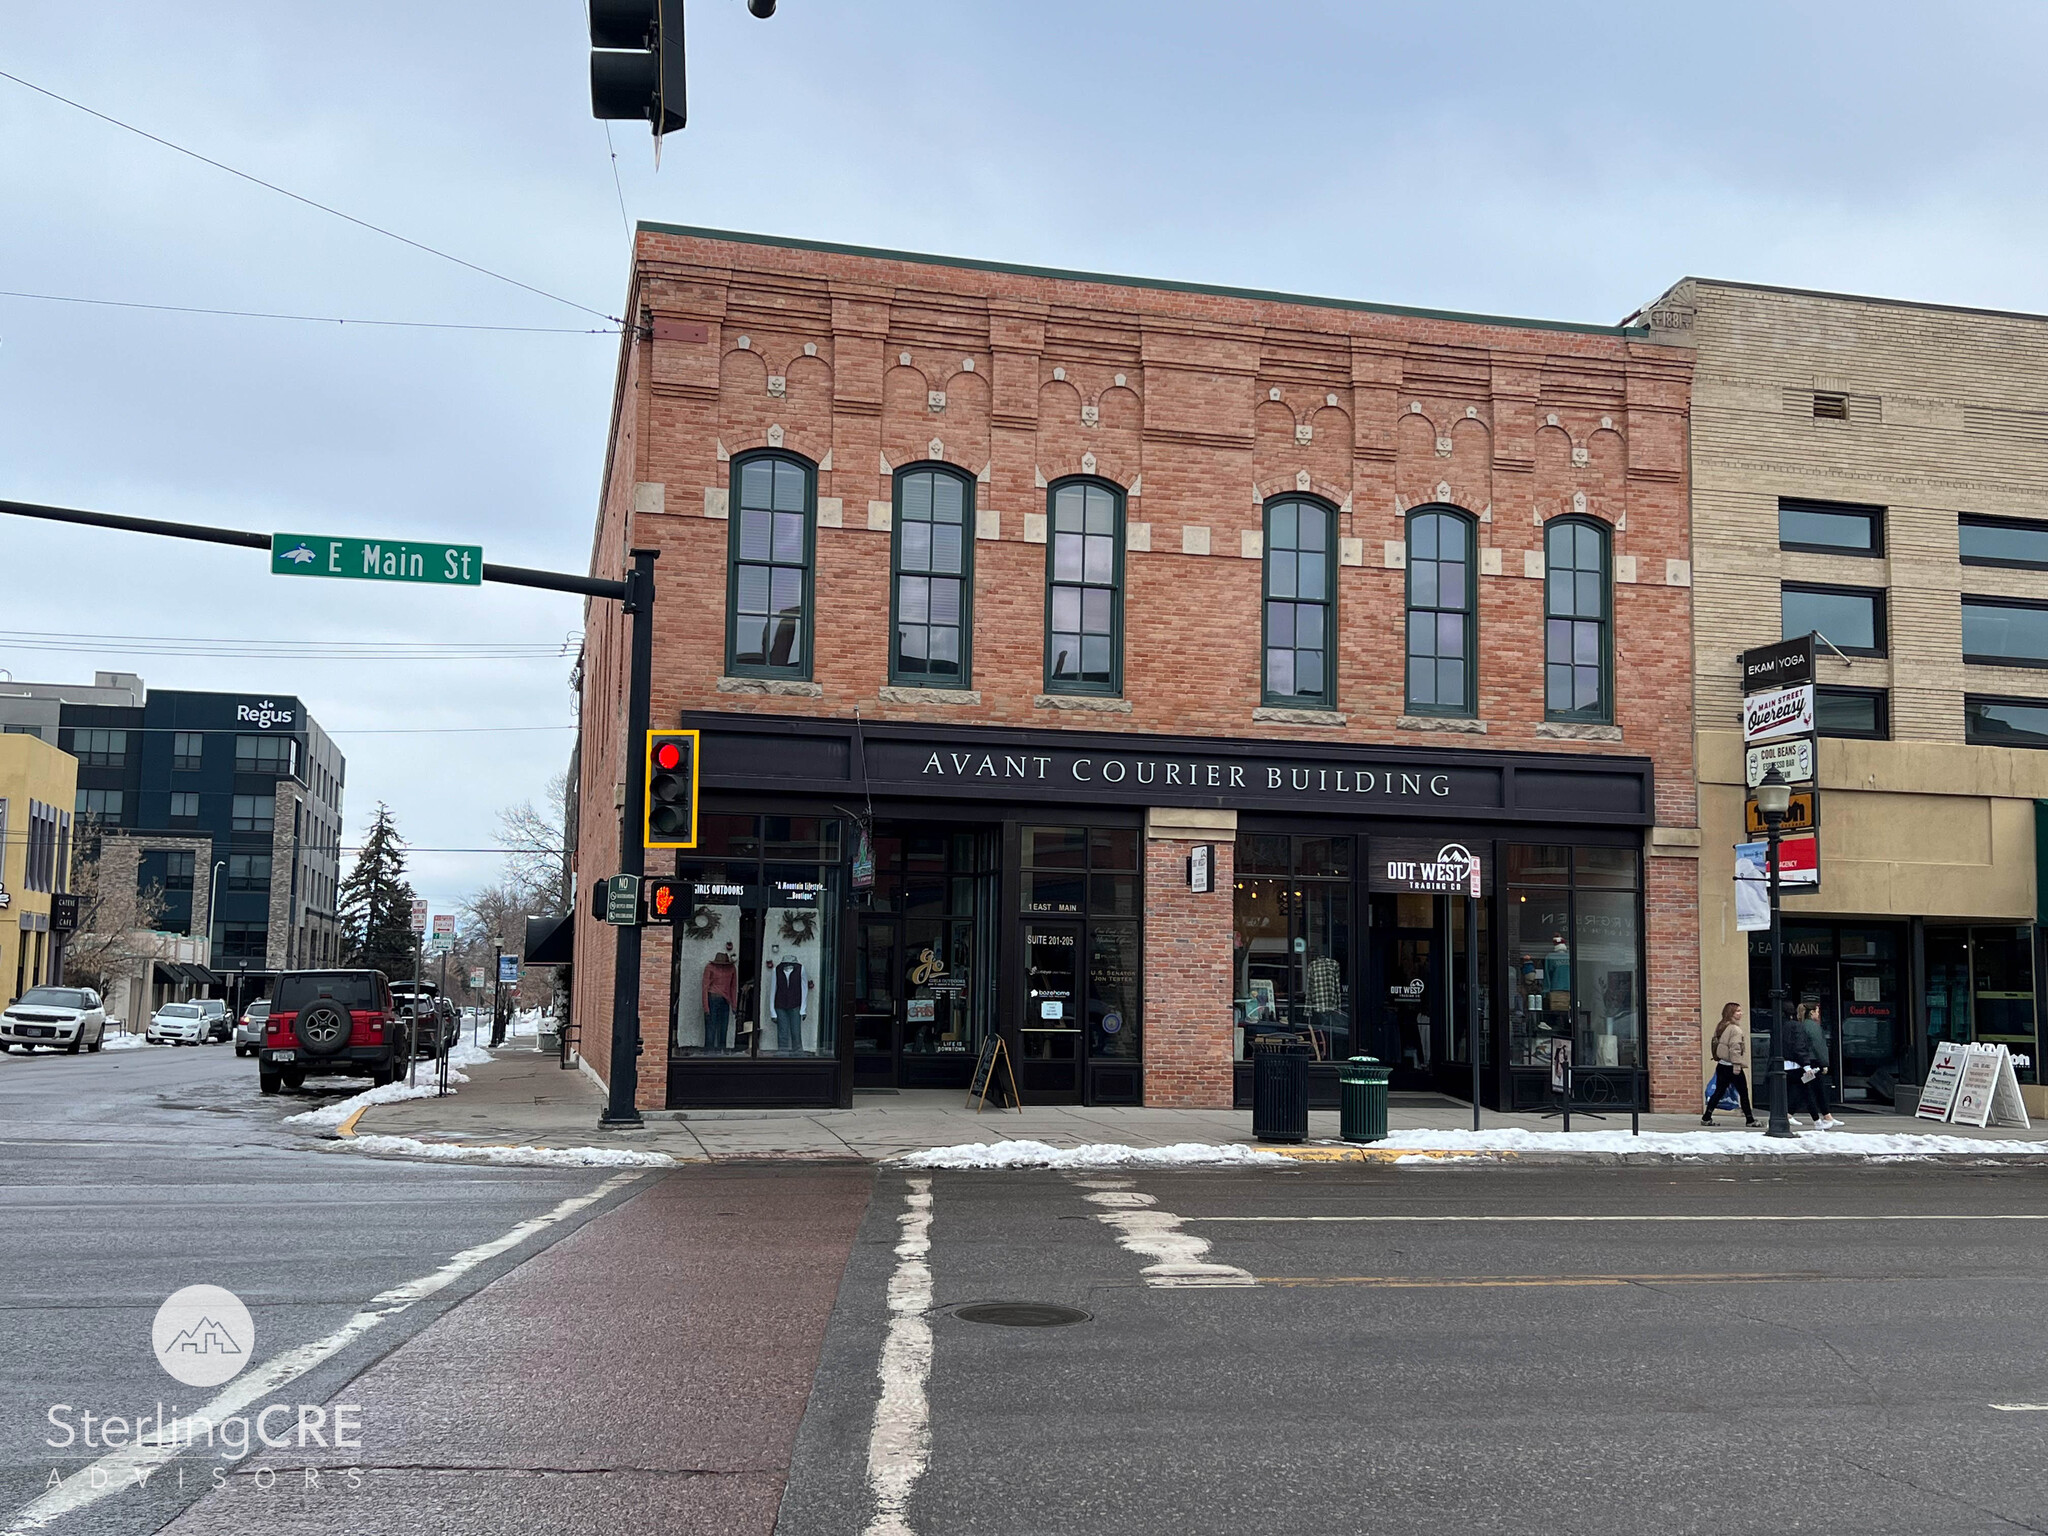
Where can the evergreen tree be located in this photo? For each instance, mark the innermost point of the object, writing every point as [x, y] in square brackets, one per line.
[376, 901]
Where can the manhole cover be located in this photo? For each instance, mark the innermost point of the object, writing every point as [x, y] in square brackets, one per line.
[1021, 1314]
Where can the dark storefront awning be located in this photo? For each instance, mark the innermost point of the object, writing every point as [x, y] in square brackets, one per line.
[551, 940]
[177, 973]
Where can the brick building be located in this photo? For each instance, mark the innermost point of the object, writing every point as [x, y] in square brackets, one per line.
[1005, 598]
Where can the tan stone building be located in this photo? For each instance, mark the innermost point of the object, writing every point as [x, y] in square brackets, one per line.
[1877, 472]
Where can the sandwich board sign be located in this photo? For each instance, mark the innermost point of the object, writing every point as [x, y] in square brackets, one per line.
[1973, 1085]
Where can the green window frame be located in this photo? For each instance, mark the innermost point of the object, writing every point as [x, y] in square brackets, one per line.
[1084, 587]
[931, 590]
[770, 554]
[1578, 621]
[1443, 612]
[1298, 619]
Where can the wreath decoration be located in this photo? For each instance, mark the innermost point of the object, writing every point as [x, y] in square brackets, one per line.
[799, 925]
[703, 923]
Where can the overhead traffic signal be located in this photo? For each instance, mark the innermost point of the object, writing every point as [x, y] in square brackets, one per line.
[671, 789]
[636, 63]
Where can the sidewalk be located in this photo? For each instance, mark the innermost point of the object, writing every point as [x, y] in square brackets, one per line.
[525, 1099]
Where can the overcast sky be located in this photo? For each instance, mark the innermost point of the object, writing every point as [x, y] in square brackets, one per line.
[1566, 161]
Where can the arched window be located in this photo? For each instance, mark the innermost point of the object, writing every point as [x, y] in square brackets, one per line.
[768, 596]
[934, 555]
[1301, 602]
[1577, 609]
[1442, 659]
[1084, 572]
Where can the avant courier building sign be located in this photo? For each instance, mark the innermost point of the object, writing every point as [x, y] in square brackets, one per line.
[836, 758]
[1191, 773]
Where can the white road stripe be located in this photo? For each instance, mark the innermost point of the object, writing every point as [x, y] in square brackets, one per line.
[900, 1443]
[2021, 1407]
[124, 1468]
[1179, 1258]
[2006, 1216]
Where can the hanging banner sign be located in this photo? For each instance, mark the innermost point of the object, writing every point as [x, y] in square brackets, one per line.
[1778, 666]
[1792, 756]
[1802, 814]
[1798, 862]
[1781, 712]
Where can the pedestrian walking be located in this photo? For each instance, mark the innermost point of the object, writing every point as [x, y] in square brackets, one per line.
[1806, 1058]
[1730, 1050]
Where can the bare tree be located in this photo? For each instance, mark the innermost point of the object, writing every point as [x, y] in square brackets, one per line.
[536, 855]
[116, 920]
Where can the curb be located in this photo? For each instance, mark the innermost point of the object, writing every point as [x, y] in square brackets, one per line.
[1370, 1154]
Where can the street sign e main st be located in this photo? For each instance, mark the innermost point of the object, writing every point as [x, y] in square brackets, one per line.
[311, 554]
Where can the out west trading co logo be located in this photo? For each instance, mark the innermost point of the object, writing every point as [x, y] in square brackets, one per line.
[203, 1335]
[263, 714]
[1449, 871]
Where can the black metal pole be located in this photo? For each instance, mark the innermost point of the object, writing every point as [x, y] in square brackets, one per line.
[1472, 997]
[623, 1110]
[1781, 1121]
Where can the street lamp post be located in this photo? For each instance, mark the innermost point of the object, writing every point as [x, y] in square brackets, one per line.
[213, 922]
[1773, 799]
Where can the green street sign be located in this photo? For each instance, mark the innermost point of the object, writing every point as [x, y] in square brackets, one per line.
[311, 554]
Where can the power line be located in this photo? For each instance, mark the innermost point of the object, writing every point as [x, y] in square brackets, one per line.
[617, 186]
[259, 314]
[271, 186]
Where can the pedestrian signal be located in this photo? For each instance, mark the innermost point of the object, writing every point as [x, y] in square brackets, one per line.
[663, 897]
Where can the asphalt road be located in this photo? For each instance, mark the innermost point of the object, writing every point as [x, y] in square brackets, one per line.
[740, 1349]
[130, 1174]
[1451, 1363]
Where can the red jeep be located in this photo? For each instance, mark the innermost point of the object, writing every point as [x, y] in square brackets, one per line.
[330, 1023]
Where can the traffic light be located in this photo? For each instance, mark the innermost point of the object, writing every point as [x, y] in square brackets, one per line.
[636, 63]
[671, 789]
[665, 897]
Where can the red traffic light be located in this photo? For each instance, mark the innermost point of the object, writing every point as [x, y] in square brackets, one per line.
[664, 900]
[668, 756]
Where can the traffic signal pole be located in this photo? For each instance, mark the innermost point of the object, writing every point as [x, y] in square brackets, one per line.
[621, 1111]
[636, 596]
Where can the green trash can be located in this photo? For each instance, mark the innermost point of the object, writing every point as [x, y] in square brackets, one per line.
[1362, 1108]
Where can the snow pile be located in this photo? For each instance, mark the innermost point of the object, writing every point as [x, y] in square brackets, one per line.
[1039, 1154]
[390, 1093]
[123, 1043]
[1703, 1143]
[511, 1157]
[466, 1054]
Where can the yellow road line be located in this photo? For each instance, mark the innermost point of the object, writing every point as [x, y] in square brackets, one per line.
[1485, 1282]
[1376, 1154]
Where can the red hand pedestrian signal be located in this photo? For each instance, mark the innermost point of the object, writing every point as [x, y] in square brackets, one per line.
[671, 809]
[664, 896]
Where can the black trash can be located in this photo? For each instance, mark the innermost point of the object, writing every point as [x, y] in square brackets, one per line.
[1280, 1091]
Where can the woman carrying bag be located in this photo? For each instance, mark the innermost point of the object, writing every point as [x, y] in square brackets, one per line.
[1730, 1050]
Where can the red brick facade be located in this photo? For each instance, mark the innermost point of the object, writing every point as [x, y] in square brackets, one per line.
[1201, 405]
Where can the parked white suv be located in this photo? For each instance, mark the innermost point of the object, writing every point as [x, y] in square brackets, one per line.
[177, 1024]
[56, 1018]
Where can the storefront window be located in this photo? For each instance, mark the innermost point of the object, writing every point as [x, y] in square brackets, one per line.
[1852, 978]
[754, 955]
[1575, 956]
[1292, 942]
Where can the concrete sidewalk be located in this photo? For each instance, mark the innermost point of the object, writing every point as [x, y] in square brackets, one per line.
[525, 1099]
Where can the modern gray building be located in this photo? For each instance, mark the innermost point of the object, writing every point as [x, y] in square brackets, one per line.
[232, 802]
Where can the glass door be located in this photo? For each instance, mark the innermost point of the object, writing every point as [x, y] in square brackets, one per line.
[874, 1004]
[1410, 1034]
[1053, 1015]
